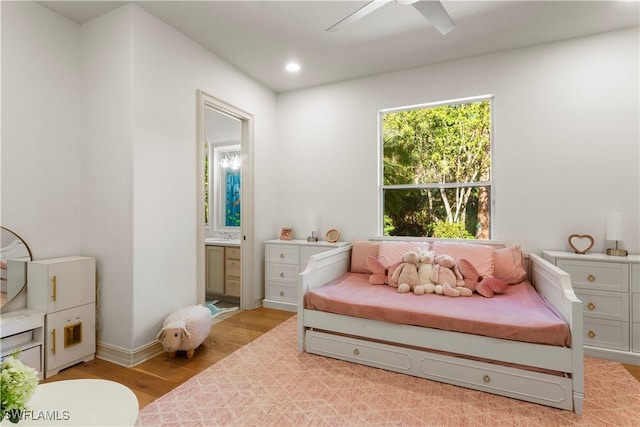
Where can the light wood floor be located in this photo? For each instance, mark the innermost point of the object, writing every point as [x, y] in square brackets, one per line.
[159, 375]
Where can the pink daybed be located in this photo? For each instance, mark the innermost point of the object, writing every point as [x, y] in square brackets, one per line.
[525, 343]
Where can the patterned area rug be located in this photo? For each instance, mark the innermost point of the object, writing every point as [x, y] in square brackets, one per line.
[268, 383]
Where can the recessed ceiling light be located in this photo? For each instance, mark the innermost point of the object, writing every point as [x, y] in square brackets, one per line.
[293, 67]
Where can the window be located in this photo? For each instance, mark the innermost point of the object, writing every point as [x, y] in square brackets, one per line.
[436, 169]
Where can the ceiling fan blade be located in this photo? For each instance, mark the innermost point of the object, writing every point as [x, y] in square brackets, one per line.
[360, 13]
[436, 15]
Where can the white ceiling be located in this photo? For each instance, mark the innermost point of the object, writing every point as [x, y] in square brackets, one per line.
[259, 37]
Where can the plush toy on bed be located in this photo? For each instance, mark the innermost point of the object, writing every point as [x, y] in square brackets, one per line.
[380, 272]
[485, 286]
[424, 271]
[406, 275]
[447, 277]
[185, 329]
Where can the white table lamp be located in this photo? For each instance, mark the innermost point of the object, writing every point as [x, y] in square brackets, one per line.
[616, 231]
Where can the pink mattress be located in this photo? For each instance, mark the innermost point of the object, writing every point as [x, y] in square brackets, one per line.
[519, 314]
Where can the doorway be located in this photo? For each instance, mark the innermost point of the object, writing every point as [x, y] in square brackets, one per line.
[225, 208]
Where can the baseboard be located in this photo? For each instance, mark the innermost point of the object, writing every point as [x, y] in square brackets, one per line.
[127, 358]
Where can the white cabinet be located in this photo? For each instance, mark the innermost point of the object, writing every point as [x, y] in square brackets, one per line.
[64, 288]
[215, 269]
[223, 270]
[284, 259]
[23, 331]
[232, 269]
[608, 288]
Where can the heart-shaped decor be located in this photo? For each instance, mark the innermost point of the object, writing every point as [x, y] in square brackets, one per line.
[580, 243]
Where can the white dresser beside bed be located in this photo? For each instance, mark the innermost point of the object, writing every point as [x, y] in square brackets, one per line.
[284, 259]
[609, 288]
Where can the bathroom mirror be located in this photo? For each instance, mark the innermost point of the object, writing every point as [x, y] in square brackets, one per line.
[14, 255]
[223, 164]
[226, 182]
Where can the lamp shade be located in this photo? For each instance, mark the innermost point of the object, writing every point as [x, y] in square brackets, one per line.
[615, 226]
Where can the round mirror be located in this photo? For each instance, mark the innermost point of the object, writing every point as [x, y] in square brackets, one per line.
[14, 255]
[332, 235]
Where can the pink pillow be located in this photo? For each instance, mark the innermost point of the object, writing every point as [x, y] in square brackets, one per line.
[509, 265]
[480, 256]
[359, 253]
[391, 251]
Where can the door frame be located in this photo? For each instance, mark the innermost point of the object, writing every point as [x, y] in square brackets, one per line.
[204, 101]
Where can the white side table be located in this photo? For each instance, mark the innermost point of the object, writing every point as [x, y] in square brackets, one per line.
[85, 402]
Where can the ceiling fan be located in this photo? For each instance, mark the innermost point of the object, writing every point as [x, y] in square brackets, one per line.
[431, 9]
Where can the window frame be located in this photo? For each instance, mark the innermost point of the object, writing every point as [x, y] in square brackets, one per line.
[436, 186]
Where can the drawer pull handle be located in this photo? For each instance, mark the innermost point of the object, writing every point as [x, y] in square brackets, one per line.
[53, 341]
[281, 274]
[54, 281]
[281, 293]
[281, 256]
[591, 334]
[486, 379]
[591, 277]
[356, 351]
[591, 306]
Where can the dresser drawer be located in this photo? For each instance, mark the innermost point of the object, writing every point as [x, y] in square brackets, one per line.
[232, 252]
[606, 333]
[635, 338]
[307, 252]
[281, 292]
[232, 267]
[604, 305]
[603, 276]
[636, 308]
[232, 287]
[282, 254]
[282, 273]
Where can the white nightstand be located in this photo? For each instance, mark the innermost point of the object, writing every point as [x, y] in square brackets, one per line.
[609, 288]
[284, 259]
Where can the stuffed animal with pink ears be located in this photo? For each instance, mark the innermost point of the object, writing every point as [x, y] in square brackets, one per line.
[380, 273]
[447, 277]
[485, 286]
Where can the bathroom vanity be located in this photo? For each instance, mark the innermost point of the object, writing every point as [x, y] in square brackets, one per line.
[222, 270]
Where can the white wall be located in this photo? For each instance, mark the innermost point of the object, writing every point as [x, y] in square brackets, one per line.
[107, 119]
[42, 175]
[566, 136]
[168, 68]
[99, 124]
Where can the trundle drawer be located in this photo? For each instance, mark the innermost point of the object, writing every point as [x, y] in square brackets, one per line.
[532, 386]
[381, 356]
[606, 333]
[603, 276]
[604, 305]
[498, 379]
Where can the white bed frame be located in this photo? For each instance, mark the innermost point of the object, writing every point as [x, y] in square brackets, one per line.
[408, 349]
